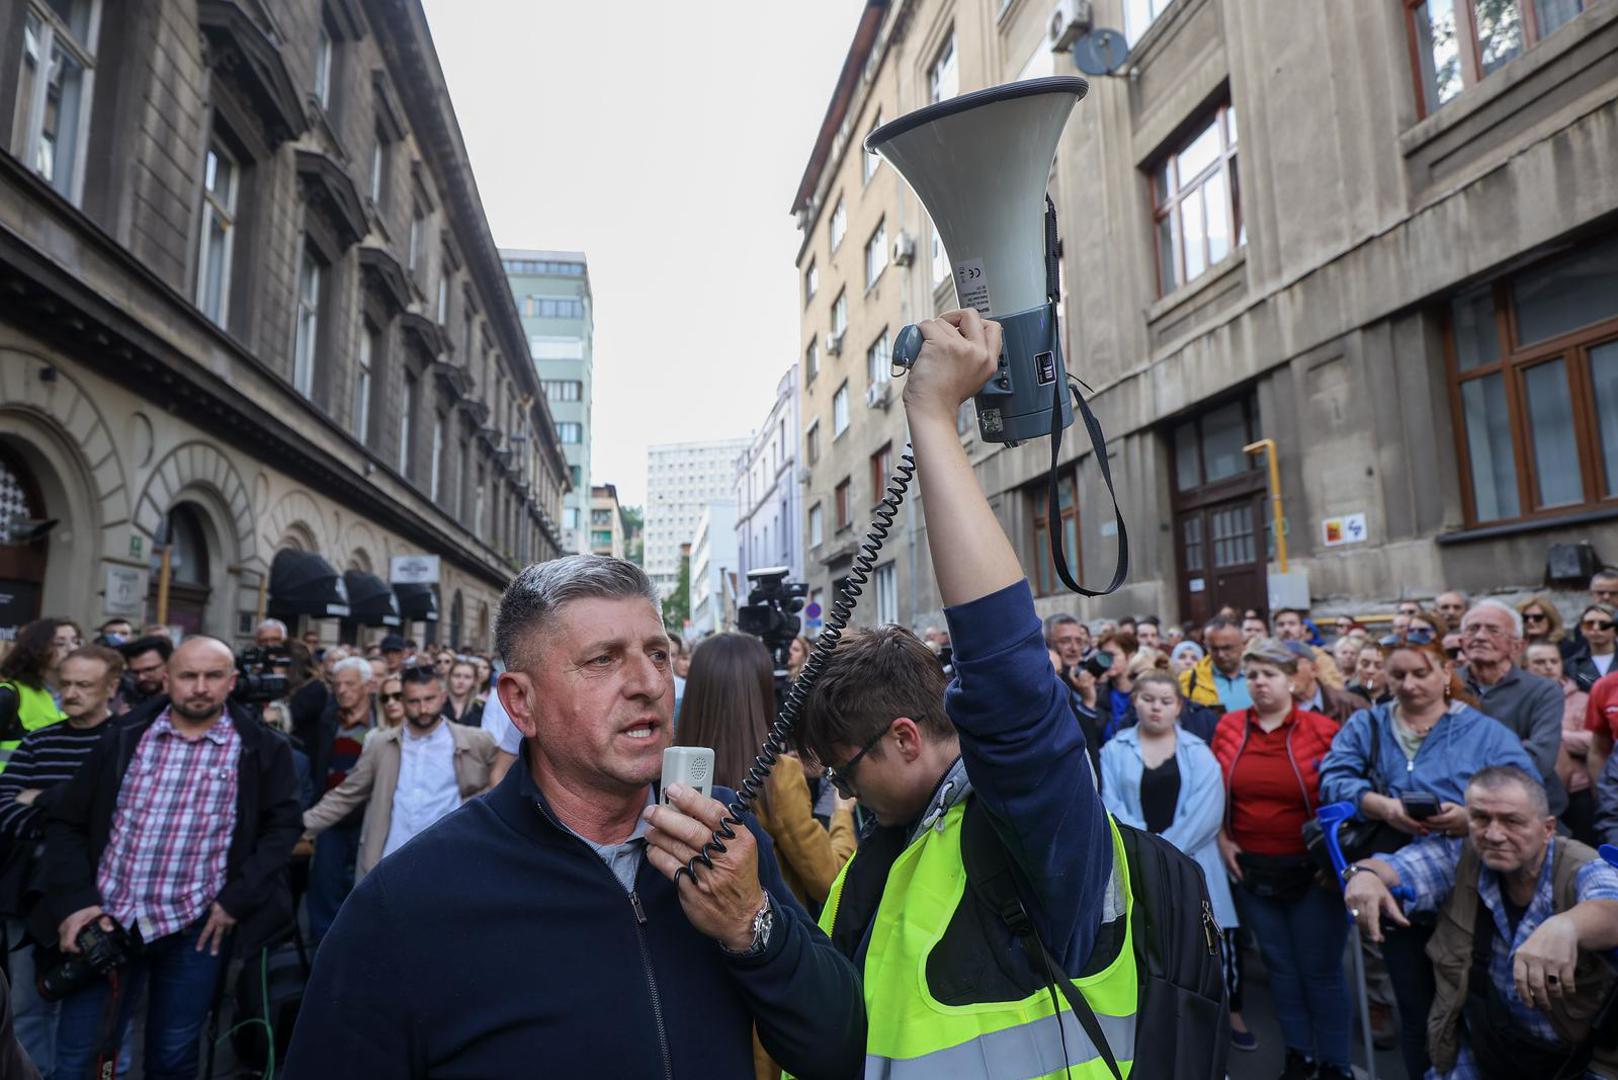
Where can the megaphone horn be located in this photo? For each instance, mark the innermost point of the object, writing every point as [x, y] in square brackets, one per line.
[979, 164]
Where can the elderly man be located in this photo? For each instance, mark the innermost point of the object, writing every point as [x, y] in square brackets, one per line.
[546, 917]
[1523, 908]
[270, 633]
[1068, 638]
[334, 746]
[1491, 638]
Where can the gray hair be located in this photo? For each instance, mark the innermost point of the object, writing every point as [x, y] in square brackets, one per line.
[1495, 777]
[272, 624]
[535, 596]
[1271, 651]
[1497, 605]
[357, 664]
[1061, 618]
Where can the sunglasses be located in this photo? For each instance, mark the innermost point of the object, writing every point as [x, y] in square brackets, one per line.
[1598, 624]
[1534, 616]
[1411, 637]
[842, 776]
[385, 698]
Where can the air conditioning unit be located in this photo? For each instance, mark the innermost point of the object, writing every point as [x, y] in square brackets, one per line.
[904, 249]
[805, 474]
[1069, 19]
[876, 395]
[834, 343]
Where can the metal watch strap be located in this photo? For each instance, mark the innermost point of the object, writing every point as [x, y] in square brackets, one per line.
[1353, 868]
[763, 925]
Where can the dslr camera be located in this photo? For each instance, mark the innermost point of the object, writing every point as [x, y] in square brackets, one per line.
[771, 613]
[261, 675]
[99, 952]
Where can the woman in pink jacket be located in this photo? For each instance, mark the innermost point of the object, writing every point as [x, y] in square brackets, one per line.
[1545, 658]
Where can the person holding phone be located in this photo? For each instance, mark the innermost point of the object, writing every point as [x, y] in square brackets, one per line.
[1406, 763]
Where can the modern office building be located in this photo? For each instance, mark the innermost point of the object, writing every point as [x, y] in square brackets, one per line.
[715, 580]
[552, 290]
[769, 496]
[1383, 235]
[681, 480]
[255, 328]
[606, 522]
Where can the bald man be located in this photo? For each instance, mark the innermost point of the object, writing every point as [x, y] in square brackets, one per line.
[177, 827]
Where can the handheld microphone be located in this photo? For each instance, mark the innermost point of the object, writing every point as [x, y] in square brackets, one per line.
[688, 766]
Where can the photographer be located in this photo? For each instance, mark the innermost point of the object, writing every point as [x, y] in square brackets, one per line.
[47, 759]
[169, 843]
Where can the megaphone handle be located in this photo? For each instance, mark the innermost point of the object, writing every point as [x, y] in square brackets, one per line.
[907, 346]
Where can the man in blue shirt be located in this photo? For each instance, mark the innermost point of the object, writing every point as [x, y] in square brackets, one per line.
[1524, 916]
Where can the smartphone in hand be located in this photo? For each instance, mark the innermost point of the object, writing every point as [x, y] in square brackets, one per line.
[1420, 805]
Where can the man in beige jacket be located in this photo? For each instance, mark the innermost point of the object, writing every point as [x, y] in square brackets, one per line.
[411, 775]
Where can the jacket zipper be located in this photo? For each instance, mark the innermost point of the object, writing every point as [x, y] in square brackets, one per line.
[645, 950]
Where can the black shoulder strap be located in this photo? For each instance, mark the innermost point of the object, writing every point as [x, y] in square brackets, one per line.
[1053, 516]
[996, 887]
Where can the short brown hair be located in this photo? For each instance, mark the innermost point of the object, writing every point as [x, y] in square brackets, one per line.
[873, 678]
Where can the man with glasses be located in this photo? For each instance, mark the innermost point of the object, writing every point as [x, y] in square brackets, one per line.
[991, 765]
[407, 777]
[147, 673]
[1491, 640]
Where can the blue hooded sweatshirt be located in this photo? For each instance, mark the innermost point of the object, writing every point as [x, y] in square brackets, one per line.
[1462, 742]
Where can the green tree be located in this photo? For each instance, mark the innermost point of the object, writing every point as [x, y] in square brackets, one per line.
[677, 605]
[634, 519]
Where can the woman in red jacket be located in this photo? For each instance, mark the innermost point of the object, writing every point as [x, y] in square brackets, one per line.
[1271, 755]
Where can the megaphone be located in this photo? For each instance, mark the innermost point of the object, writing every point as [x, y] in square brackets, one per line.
[979, 164]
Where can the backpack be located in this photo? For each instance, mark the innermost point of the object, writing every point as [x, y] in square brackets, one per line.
[1182, 1018]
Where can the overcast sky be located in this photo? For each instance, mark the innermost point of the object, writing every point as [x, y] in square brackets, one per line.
[664, 140]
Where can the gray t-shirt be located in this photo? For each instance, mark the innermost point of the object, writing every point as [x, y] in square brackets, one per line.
[623, 859]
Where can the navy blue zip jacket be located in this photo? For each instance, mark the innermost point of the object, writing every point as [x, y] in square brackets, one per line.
[497, 943]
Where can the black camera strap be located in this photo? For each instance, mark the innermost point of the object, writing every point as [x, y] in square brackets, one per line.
[1053, 506]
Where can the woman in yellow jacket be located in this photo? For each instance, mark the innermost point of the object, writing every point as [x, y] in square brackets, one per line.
[28, 678]
[728, 706]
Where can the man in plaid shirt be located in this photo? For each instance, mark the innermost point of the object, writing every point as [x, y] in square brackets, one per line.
[1526, 918]
[178, 826]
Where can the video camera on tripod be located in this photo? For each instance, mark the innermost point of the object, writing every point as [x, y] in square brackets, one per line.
[771, 614]
[261, 675]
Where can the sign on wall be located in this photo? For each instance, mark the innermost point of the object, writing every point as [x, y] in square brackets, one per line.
[125, 590]
[413, 570]
[1348, 529]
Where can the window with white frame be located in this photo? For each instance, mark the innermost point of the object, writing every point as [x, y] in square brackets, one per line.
[562, 389]
[811, 281]
[407, 413]
[839, 313]
[443, 298]
[944, 77]
[1197, 203]
[363, 359]
[1140, 14]
[379, 167]
[870, 162]
[325, 55]
[876, 253]
[879, 359]
[811, 361]
[219, 189]
[51, 124]
[817, 525]
[839, 224]
[306, 339]
[839, 410]
[436, 469]
[887, 595]
[570, 432]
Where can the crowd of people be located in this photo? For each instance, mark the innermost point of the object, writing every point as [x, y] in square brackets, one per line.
[1460, 720]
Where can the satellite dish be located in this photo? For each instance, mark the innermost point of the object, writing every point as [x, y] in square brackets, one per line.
[1100, 52]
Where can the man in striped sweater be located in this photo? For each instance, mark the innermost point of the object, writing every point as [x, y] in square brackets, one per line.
[46, 760]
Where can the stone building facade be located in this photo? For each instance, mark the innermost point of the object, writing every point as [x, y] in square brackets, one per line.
[252, 304]
[769, 496]
[1388, 244]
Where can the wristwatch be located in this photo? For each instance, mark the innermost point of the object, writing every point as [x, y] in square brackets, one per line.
[1353, 868]
[763, 924]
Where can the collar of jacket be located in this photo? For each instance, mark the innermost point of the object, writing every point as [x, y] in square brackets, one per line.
[136, 721]
[522, 805]
[951, 788]
[1513, 672]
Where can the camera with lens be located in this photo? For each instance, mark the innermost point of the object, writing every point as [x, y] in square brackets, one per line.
[771, 612]
[1097, 662]
[99, 952]
[261, 675]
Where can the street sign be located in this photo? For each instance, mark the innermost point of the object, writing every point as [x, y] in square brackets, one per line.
[1348, 529]
[812, 613]
[125, 591]
[413, 570]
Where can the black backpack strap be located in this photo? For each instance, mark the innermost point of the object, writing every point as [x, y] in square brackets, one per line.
[994, 883]
[1053, 516]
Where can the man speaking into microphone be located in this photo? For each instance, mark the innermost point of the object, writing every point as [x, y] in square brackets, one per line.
[540, 929]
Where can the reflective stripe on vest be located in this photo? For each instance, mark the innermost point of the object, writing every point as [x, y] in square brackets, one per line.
[36, 709]
[912, 1035]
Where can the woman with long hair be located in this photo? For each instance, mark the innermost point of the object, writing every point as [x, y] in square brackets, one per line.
[797, 656]
[1544, 659]
[1270, 754]
[28, 675]
[485, 669]
[729, 705]
[1426, 742]
[1598, 624]
[1541, 622]
[390, 700]
[461, 703]
[1161, 778]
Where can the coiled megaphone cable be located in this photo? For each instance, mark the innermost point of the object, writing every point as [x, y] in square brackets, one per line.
[775, 743]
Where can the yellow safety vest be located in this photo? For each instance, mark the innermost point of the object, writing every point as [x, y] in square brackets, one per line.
[913, 1036]
[36, 709]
